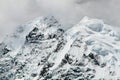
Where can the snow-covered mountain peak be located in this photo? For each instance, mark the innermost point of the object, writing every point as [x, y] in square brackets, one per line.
[45, 25]
[41, 50]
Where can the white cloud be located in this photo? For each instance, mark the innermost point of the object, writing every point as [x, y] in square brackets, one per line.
[69, 12]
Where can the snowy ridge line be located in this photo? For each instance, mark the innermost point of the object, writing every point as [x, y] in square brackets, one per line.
[71, 36]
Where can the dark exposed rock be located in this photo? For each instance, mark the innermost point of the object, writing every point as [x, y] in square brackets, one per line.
[77, 69]
[91, 55]
[94, 57]
[59, 46]
[3, 49]
[34, 74]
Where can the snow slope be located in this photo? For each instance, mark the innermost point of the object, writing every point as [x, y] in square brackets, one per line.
[41, 50]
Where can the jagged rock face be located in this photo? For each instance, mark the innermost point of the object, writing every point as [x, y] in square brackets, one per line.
[41, 50]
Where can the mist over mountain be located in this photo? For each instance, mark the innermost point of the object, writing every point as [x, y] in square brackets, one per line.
[68, 12]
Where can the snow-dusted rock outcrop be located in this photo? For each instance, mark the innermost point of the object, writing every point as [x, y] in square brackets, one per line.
[41, 50]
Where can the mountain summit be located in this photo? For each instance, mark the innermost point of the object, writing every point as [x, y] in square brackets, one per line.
[42, 50]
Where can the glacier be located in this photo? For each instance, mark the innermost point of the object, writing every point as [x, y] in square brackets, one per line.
[42, 50]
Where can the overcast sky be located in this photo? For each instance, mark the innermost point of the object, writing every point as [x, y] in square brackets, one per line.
[69, 12]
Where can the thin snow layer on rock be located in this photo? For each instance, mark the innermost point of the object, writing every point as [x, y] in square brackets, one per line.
[41, 50]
